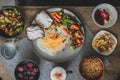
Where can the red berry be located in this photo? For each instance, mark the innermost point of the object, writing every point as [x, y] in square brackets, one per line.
[31, 78]
[26, 77]
[28, 72]
[105, 15]
[25, 67]
[98, 17]
[30, 64]
[20, 69]
[20, 75]
[36, 70]
[33, 73]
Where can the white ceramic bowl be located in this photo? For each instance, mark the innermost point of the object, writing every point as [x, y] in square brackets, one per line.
[111, 10]
[101, 33]
[63, 55]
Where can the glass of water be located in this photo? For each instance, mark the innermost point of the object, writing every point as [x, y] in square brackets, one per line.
[8, 50]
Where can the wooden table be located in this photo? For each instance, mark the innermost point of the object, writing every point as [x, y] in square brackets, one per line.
[112, 72]
[7, 3]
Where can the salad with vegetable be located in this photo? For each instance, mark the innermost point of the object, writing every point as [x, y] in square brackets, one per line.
[73, 28]
[11, 23]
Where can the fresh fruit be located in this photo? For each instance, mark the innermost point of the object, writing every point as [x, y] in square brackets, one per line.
[101, 15]
[31, 78]
[30, 64]
[20, 75]
[20, 69]
[105, 15]
[27, 70]
[36, 70]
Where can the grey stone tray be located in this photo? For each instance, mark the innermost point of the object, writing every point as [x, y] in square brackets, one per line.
[25, 52]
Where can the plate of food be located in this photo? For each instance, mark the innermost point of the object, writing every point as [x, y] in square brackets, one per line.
[104, 15]
[57, 36]
[11, 22]
[104, 42]
[91, 68]
[27, 70]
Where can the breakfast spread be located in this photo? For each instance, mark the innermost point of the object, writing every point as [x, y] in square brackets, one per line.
[59, 33]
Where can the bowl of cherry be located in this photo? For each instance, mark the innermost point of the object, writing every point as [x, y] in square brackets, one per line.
[104, 15]
[27, 70]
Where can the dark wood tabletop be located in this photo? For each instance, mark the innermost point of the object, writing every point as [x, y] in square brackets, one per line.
[65, 2]
[112, 72]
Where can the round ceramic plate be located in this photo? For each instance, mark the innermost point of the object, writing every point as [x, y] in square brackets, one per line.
[111, 10]
[102, 32]
[63, 55]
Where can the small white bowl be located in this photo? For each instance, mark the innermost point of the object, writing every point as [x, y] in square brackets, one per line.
[111, 10]
[101, 33]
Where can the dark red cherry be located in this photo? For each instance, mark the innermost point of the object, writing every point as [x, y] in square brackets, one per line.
[20, 75]
[105, 15]
[35, 70]
[30, 64]
[31, 78]
[101, 16]
[20, 69]
[98, 17]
